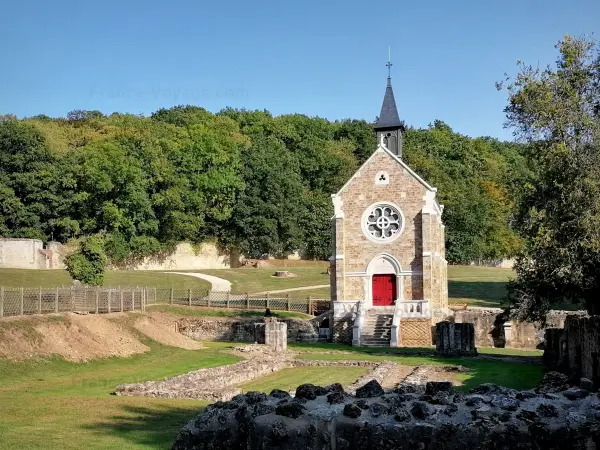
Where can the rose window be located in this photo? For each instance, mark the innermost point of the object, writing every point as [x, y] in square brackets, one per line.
[382, 222]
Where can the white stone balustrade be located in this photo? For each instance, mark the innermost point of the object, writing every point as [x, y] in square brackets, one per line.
[413, 309]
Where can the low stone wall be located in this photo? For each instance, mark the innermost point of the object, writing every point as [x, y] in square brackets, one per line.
[31, 254]
[489, 417]
[493, 329]
[207, 384]
[240, 330]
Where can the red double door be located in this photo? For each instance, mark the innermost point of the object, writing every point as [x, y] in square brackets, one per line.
[384, 290]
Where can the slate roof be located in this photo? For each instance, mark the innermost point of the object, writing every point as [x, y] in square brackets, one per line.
[388, 117]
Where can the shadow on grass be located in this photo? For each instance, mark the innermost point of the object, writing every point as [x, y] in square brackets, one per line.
[483, 293]
[147, 427]
[513, 371]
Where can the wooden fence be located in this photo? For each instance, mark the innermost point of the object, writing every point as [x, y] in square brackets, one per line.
[27, 301]
[226, 299]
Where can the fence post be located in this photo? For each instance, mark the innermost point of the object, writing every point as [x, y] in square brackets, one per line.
[56, 301]
[133, 299]
[267, 302]
[121, 298]
[171, 297]
[228, 295]
[1, 302]
[310, 305]
[155, 299]
[247, 301]
[288, 302]
[97, 294]
[40, 301]
[208, 298]
[21, 310]
[190, 297]
[109, 298]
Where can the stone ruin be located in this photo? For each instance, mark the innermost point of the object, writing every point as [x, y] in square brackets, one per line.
[455, 339]
[575, 349]
[434, 416]
[272, 333]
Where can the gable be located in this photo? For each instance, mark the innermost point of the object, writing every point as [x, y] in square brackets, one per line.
[381, 149]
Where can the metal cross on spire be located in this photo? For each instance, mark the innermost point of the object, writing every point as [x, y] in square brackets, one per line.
[389, 63]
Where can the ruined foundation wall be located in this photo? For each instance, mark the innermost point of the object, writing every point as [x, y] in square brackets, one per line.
[492, 329]
[575, 349]
[240, 330]
[489, 417]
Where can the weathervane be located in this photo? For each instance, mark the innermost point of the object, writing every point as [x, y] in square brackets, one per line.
[389, 63]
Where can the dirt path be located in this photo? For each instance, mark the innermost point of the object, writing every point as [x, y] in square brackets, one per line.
[218, 284]
[162, 328]
[301, 288]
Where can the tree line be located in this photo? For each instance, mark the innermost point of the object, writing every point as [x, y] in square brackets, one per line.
[246, 180]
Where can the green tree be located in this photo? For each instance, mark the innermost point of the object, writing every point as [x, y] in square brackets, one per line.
[557, 110]
[265, 218]
[88, 264]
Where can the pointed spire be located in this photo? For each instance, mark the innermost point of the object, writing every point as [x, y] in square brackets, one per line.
[388, 117]
[389, 128]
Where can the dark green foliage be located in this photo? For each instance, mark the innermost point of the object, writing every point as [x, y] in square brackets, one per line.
[89, 262]
[257, 183]
[557, 111]
[265, 219]
[471, 177]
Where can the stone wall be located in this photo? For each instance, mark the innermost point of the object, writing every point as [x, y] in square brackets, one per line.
[188, 257]
[489, 417]
[575, 349]
[22, 254]
[240, 330]
[492, 329]
[31, 254]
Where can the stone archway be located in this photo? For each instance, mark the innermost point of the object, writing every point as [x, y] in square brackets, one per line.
[383, 283]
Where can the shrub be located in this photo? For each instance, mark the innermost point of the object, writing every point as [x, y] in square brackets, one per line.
[89, 262]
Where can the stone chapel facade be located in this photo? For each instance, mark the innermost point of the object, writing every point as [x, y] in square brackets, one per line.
[388, 270]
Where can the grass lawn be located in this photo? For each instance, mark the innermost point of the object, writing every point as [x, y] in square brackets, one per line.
[509, 374]
[290, 379]
[54, 404]
[194, 311]
[326, 347]
[126, 278]
[478, 286]
[259, 280]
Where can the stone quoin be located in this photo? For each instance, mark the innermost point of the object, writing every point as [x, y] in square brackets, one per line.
[388, 269]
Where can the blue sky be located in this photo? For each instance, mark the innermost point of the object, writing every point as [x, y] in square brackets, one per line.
[324, 58]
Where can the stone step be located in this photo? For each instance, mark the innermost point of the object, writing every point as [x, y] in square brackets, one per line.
[370, 344]
[379, 320]
[377, 328]
[374, 339]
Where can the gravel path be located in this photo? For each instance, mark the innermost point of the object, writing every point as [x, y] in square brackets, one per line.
[218, 284]
[301, 288]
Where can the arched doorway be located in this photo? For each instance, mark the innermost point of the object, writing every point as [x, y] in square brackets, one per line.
[384, 280]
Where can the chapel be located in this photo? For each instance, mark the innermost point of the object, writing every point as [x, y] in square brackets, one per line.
[388, 269]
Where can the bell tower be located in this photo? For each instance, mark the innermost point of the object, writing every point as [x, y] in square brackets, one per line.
[389, 127]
